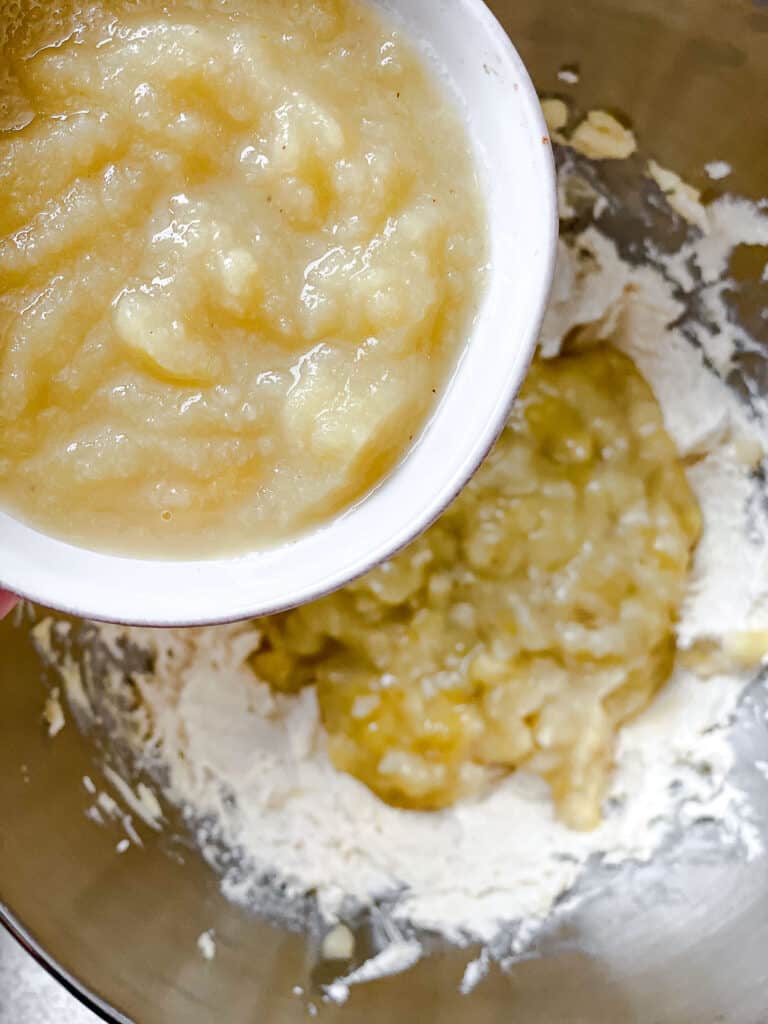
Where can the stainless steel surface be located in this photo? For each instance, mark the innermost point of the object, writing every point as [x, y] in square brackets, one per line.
[29, 995]
[681, 941]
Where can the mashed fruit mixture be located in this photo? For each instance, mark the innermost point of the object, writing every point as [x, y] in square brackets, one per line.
[529, 623]
[240, 247]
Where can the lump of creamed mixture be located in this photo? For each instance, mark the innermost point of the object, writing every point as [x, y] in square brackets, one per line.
[533, 620]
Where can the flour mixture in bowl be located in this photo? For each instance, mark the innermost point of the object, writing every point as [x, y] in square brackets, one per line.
[241, 246]
[446, 743]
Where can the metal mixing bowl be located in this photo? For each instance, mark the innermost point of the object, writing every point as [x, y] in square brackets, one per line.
[679, 941]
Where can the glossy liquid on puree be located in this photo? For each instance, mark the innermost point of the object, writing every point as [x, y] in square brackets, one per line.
[241, 245]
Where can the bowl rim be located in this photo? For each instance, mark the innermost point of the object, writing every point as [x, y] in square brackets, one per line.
[151, 592]
[76, 988]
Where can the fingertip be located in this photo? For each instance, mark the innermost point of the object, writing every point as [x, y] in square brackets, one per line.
[7, 602]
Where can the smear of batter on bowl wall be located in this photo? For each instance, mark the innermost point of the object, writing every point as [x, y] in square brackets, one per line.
[551, 670]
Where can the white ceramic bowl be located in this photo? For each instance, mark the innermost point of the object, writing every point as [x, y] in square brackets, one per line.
[515, 160]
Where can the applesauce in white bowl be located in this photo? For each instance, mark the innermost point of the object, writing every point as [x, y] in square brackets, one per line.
[270, 278]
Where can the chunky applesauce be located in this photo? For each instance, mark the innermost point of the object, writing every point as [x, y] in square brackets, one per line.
[241, 244]
[529, 623]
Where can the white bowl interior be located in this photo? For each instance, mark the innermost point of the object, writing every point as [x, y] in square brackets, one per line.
[513, 152]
